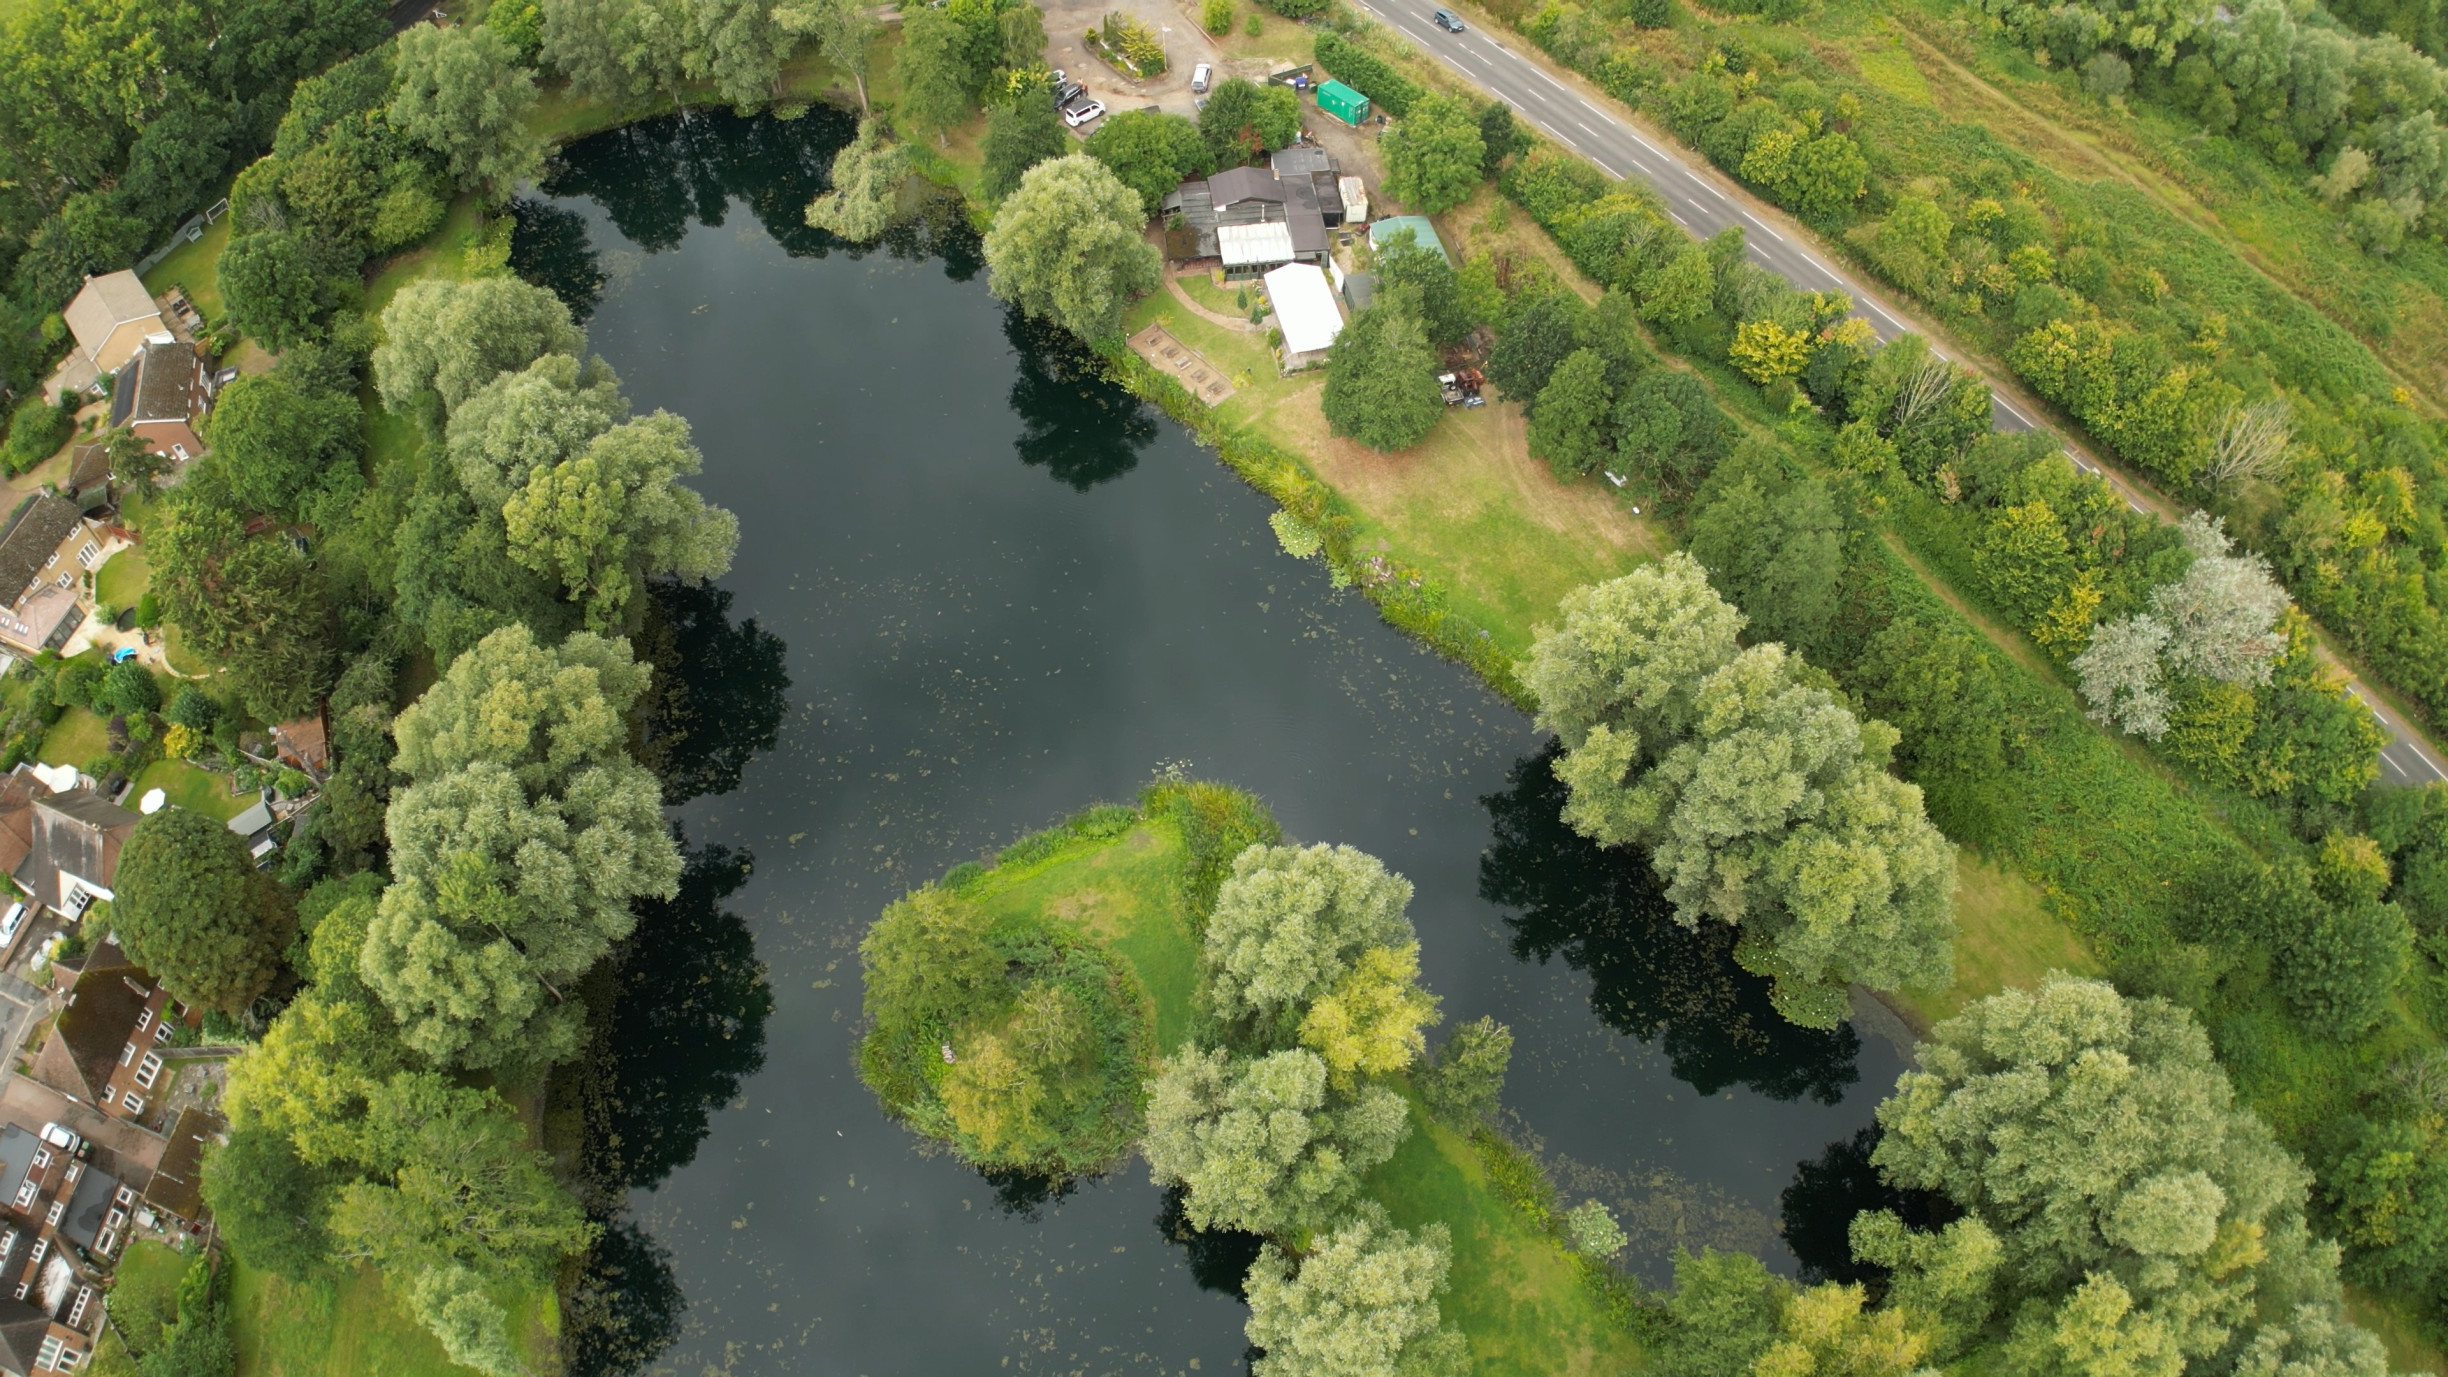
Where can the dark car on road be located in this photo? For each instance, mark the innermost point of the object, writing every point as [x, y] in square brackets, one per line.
[1447, 20]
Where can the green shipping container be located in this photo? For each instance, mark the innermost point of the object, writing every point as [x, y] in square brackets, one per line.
[1343, 103]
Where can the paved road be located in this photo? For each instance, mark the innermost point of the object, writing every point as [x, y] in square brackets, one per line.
[1704, 203]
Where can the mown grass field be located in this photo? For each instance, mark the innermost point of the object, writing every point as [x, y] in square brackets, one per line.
[349, 1327]
[1515, 1292]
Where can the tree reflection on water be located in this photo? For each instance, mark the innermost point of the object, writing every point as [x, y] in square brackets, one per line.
[1604, 911]
[1075, 420]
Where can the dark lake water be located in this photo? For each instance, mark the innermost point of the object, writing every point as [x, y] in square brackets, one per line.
[999, 590]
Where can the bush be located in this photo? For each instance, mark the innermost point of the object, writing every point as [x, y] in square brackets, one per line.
[1463, 1085]
[1255, 26]
[1216, 16]
[1018, 1041]
[36, 432]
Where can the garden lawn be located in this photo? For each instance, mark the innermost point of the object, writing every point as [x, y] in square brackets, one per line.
[1515, 1292]
[1468, 503]
[349, 1327]
[195, 269]
[1126, 892]
[193, 788]
[78, 736]
[123, 578]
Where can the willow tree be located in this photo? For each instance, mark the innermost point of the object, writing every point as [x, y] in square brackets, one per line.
[2136, 1208]
[1761, 799]
[517, 850]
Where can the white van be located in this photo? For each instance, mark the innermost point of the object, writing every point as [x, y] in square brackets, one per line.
[1199, 77]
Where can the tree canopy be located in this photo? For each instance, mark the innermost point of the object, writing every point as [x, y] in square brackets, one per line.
[1066, 247]
[1762, 801]
[865, 195]
[2138, 1208]
[1362, 1303]
[611, 517]
[1289, 924]
[1381, 386]
[1433, 155]
[1151, 151]
[1263, 1145]
[192, 909]
[461, 92]
[1019, 135]
[516, 850]
[272, 439]
[454, 337]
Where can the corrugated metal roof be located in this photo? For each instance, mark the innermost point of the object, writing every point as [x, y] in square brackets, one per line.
[1244, 245]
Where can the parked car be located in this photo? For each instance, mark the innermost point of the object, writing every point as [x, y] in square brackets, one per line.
[1199, 78]
[1447, 20]
[10, 925]
[1067, 92]
[1077, 115]
[65, 1139]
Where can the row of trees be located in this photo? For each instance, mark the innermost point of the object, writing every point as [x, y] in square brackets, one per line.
[2053, 548]
[1308, 979]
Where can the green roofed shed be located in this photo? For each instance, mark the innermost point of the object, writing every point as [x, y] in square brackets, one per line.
[1343, 103]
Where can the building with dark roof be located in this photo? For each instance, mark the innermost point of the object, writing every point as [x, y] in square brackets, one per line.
[105, 1049]
[88, 483]
[1299, 189]
[74, 852]
[177, 1187]
[43, 551]
[162, 394]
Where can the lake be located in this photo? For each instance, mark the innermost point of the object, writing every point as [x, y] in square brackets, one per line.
[1000, 589]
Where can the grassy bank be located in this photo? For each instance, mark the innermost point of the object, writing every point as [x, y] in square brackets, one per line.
[350, 1327]
[1516, 1293]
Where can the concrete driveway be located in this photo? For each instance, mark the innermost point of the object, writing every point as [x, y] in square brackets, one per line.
[1186, 45]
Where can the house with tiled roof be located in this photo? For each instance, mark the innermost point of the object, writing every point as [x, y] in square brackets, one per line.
[105, 1050]
[162, 394]
[177, 1187]
[111, 318]
[73, 855]
[44, 551]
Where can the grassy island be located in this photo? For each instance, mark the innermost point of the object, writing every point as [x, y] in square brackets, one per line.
[1125, 893]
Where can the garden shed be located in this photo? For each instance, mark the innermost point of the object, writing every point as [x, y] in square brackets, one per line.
[1423, 233]
[1343, 103]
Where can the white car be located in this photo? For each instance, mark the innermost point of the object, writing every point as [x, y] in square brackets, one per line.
[9, 925]
[1200, 76]
[61, 1137]
[1086, 110]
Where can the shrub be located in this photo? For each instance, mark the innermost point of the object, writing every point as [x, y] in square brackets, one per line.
[37, 431]
[1216, 16]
